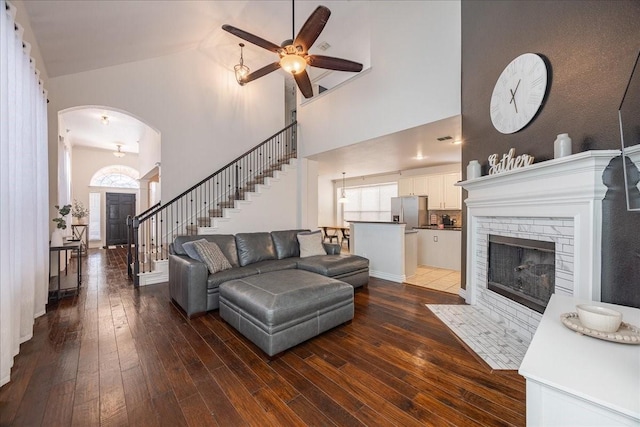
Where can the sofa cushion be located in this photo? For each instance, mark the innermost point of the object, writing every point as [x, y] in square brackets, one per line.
[311, 244]
[254, 247]
[276, 265]
[214, 280]
[212, 256]
[286, 243]
[226, 243]
[333, 265]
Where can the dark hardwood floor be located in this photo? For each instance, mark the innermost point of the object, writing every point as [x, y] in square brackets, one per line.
[119, 356]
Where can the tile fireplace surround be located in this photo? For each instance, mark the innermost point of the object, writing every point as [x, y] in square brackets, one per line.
[557, 201]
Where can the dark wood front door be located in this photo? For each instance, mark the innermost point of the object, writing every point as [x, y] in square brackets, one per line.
[119, 206]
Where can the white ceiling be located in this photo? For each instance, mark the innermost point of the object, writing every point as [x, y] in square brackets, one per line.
[84, 127]
[76, 36]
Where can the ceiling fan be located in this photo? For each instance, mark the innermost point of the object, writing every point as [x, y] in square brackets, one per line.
[293, 53]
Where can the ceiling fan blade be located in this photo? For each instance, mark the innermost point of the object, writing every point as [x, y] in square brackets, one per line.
[312, 28]
[261, 72]
[331, 63]
[258, 41]
[304, 84]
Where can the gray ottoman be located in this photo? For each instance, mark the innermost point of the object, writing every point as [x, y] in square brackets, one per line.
[280, 309]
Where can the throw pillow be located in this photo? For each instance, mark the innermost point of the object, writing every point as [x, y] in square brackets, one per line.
[311, 244]
[212, 256]
[190, 249]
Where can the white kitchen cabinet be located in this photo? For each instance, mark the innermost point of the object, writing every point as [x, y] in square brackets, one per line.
[413, 186]
[452, 194]
[436, 194]
[443, 194]
[440, 248]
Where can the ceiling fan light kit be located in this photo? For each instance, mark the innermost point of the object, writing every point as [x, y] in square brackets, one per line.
[293, 64]
[294, 54]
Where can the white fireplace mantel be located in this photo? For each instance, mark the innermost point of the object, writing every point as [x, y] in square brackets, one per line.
[569, 188]
[569, 179]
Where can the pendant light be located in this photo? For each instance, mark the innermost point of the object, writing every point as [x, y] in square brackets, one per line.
[118, 153]
[241, 70]
[343, 199]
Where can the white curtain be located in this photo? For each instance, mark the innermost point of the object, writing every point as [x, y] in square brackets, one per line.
[24, 192]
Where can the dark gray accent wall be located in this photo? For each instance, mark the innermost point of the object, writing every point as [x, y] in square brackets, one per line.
[590, 48]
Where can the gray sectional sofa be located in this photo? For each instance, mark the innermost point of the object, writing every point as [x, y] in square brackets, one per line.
[196, 291]
[271, 295]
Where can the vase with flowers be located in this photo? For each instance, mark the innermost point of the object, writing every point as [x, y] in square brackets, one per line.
[79, 212]
[61, 224]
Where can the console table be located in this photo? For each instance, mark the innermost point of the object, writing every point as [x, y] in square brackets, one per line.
[577, 380]
[80, 232]
[73, 246]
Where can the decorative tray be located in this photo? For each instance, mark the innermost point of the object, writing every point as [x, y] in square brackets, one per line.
[626, 333]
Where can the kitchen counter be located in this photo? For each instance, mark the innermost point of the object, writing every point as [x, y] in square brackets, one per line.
[389, 246]
[375, 222]
[435, 227]
[440, 248]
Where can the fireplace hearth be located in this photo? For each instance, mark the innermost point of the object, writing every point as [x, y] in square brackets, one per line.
[522, 270]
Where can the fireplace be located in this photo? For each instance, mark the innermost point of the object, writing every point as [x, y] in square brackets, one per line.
[557, 201]
[522, 270]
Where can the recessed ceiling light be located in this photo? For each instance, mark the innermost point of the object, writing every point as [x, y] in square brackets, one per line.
[457, 142]
[420, 157]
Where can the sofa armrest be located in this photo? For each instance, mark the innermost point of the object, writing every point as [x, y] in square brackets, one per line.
[332, 248]
[188, 283]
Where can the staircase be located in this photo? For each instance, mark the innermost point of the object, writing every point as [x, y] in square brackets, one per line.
[235, 196]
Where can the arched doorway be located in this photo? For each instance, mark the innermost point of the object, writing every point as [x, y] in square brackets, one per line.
[95, 138]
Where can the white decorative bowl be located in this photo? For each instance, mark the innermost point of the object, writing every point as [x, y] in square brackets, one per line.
[599, 318]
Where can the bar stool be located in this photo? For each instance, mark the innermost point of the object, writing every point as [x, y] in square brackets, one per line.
[345, 236]
[332, 236]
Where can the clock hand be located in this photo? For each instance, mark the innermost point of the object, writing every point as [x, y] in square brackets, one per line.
[513, 99]
[516, 89]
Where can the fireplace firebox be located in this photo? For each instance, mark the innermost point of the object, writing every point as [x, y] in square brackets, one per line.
[522, 270]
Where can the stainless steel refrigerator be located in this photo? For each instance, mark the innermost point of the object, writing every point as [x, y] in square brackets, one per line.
[411, 210]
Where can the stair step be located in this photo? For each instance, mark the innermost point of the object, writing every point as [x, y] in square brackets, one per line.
[216, 213]
[204, 221]
[192, 230]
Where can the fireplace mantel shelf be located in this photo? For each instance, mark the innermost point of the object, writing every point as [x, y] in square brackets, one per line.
[554, 167]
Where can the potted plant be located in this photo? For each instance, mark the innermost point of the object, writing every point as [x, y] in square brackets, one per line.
[61, 224]
[79, 212]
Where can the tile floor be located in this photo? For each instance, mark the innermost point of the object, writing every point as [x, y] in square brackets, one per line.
[439, 279]
[500, 347]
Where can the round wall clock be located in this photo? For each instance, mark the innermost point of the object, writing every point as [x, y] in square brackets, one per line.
[518, 93]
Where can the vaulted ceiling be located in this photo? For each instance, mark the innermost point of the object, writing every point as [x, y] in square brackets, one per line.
[77, 36]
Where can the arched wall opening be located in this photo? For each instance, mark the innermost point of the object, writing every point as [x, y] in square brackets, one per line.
[100, 138]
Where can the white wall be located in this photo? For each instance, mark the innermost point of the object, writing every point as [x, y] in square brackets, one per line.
[205, 118]
[273, 208]
[326, 201]
[149, 151]
[414, 78]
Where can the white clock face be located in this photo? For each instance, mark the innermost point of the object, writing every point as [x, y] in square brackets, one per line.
[518, 93]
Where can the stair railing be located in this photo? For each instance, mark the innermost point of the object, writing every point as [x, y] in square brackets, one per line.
[152, 231]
